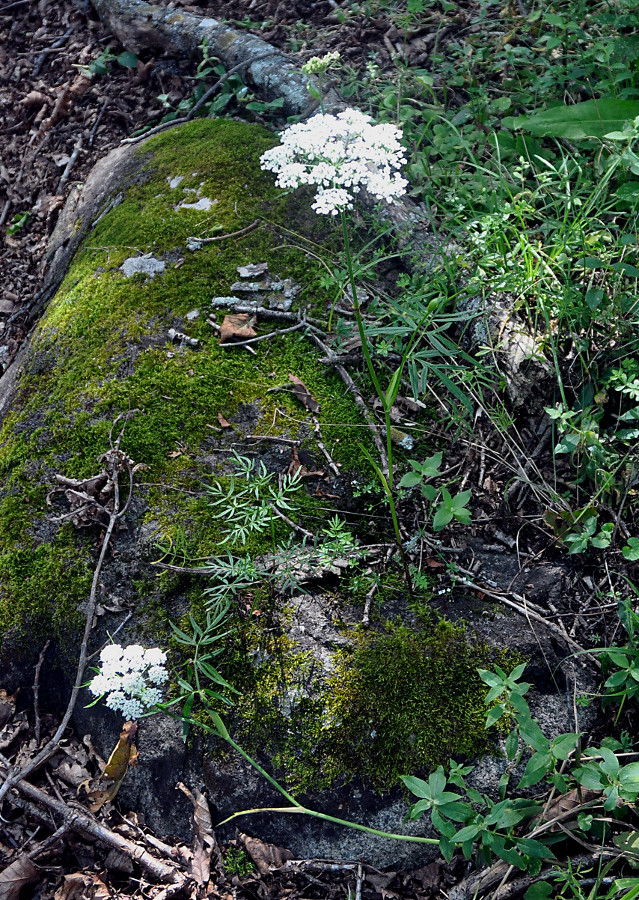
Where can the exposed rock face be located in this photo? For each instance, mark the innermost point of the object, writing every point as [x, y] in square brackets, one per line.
[336, 710]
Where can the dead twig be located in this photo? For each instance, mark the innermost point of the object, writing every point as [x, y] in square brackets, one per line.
[41, 57]
[164, 126]
[322, 447]
[263, 337]
[272, 437]
[36, 692]
[96, 124]
[33, 800]
[291, 523]
[225, 237]
[69, 166]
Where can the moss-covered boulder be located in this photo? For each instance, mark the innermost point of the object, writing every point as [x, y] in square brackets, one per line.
[160, 234]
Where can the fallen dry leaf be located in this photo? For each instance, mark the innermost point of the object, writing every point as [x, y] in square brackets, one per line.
[12, 879]
[237, 327]
[72, 773]
[296, 465]
[223, 422]
[265, 856]
[34, 98]
[13, 729]
[119, 862]
[303, 394]
[205, 843]
[566, 803]
[79, 886]
[123, 756]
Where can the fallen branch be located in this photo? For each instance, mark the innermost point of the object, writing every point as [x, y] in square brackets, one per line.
[141, 26]
[33, 800]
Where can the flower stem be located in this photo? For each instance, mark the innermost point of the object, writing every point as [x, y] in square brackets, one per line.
[303, 811]
[387, 482]
[296, 807]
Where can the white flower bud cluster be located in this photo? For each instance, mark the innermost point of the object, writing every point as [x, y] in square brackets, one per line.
[129, 677]
[340, 155]
[317, 65]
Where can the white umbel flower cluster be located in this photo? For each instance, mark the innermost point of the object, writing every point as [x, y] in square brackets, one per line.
[129, 678]
[340, 155]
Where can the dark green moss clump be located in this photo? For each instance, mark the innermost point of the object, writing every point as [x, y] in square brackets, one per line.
[399, 701]
[402, 701]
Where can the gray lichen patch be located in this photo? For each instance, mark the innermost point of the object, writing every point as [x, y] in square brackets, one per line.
[142, 265]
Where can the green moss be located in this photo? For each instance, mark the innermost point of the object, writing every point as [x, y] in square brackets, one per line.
[51, 580]
[397, 702]
[102, 349]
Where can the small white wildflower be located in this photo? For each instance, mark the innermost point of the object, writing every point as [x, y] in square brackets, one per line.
[340, 155]
[133, 655]
[125, 677]
[115, 699]
[157, 675]
[131, 708]
[112, 653]
[317, 65]
[154, 657]
[102, 684]
[331, 201]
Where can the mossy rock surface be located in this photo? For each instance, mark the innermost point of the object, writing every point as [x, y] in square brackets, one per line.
[338, 711]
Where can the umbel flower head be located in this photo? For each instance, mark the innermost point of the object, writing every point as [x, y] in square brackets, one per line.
[340, 155]
[317, 65]
[129, 678]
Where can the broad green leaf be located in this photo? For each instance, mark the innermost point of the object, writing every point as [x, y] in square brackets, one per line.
[429, 492]
[512, 744]
[589, 119]
[540, 890]
[517, 672]
[629, 775]
[444, 827]
[418, 808]
[417, 786]
[504, 815]
[534, 849]
[410, 479]
[437, 783]
[494, 715]
[537, 767]
[442, 517]
[469, 833]
[458, 811]
[532, 734]
[128, 59]
[588, 777]
[490, 678]
[563, 745]
[631, 550]
[460, 500]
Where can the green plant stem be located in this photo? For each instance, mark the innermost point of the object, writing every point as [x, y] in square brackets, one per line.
[302, 810]
[297, 807]
[387, 480]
